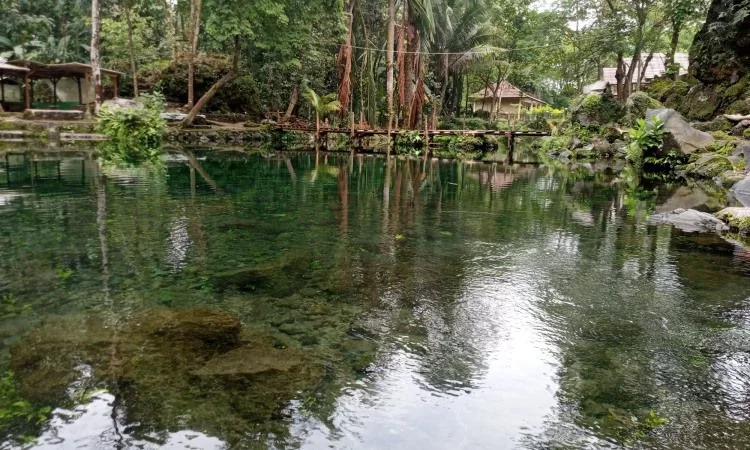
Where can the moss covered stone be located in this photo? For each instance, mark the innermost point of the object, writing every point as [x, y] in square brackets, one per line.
[594, 110]
[739, 107]
[637, 105]
[700, 103]
[708, 166]
[721, 50]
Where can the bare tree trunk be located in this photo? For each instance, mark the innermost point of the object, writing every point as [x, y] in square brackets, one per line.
[642, 74]
[620, 77]
[292, 104]
[674, 42]
[96, 69]
[216, 87]
[389, 62]
[195, 25]
[133, 67]
[172, 24]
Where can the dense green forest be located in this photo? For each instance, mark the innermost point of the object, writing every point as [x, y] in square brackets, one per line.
[442, 50]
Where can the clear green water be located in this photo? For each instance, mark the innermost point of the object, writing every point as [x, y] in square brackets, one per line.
[259, 302]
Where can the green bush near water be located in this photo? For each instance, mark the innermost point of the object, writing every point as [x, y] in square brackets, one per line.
[17, 414]
[644, 139]
[135, 134]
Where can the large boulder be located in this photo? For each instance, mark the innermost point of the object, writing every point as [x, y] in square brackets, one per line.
[689, 221]
[721, 50]
[679, 135]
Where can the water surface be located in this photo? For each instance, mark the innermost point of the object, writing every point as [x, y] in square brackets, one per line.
[289, 301]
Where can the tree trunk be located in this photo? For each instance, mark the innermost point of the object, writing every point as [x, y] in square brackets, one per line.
[674, 42]
[642, 73]
[172, 24]
[195, 24]
[96, 69]
[620, 77]
[389, 62]
[216, 87]
[292, 104]
[133, 67]
[317, 128]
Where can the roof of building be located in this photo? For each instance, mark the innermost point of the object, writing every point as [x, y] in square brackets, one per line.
[656, 67]
[41, 70]
[4, 67]
[506, 90]
[596, 86]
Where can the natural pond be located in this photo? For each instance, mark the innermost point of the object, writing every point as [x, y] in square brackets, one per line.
[284, 300]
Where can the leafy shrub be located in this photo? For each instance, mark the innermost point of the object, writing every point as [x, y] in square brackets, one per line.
[645, 137]
[135, 134]
[16, 413]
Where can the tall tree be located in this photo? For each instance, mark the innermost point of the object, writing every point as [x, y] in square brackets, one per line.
[194, 32]
[390, 47]
[96, 69]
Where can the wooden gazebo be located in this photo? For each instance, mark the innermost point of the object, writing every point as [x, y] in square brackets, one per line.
[75, 76]
[8, 71]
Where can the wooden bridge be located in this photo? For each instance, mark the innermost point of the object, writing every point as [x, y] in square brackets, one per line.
[356, 135]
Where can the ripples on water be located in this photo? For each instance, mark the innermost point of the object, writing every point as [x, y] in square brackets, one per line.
[266, 301]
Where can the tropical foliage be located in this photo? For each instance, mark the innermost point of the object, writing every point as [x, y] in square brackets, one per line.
[135, 133]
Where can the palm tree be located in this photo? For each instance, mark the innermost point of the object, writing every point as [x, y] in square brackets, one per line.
[322, 106]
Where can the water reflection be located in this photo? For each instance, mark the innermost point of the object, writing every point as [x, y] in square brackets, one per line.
[303, 300]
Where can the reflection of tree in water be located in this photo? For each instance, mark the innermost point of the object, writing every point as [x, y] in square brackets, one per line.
[310, 264]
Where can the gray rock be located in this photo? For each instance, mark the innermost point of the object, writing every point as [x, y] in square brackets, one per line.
[741, 191]
[690, 221]
[566, 155]
[178, 117]
[739, 129]
[679, 134]
[120, 103]
[743, 151]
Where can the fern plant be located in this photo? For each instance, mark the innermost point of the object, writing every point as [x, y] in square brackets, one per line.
[646, 136]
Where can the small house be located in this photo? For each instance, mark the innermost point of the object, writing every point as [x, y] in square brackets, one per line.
[655, 67]
[505, 99]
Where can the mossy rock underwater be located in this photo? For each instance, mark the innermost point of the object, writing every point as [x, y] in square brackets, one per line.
[174, 369]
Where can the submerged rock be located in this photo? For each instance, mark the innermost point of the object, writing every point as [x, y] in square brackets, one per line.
[283, 276]
[690, 221]
[679, 134]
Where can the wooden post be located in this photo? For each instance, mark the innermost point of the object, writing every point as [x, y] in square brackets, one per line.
[426, 140]
[511, 146]
[27, 92]
[80, 92]
[351, 136]
[116, 84]
[54, 91]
